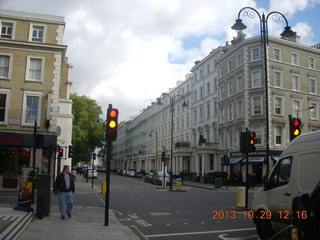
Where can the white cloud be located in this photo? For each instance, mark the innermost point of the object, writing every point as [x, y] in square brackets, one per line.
[290, 7]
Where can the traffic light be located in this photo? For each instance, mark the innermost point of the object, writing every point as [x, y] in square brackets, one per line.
[251, 141]
[295, 128]
[112, 124]
[243, 142]
[60, 152]
[71, 151]
[94, 156]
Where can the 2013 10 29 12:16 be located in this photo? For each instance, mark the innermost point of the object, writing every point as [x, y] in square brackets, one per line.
[220, 214]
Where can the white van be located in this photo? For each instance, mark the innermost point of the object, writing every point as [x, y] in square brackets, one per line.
[297, 171]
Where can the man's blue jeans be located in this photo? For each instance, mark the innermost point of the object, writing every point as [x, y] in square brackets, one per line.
[65, 200]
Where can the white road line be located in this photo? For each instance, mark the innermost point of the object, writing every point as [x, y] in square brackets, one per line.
[198, 233]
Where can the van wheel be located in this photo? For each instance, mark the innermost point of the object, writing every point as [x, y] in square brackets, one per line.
[264, 228]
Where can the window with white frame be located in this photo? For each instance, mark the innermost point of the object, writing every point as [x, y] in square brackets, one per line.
[208, 88]
[4, 104]
[240, 109]
[215, 108]
[295, 82]
[195, 95]
[276, 54]
[296, 108]
[31, 107]
[312, 85]
[278, 135]
[294, 58]
[201, 113]
[201, 92]
[6, 30]
[313, 111]
[208, 68]
[278, 106]
[37, 33]
[256, 79]
[230, 112]
[255, 54]
[258, 130]
[229, 66]
[257, 105]
[195, 116]
[34, 69]
[208, 111]
[230, 138]
[240, 83]
[221, 92]
[230, 88]
[239, 59]
[221, 140]
[5, 66]
[311, 63]
[221, 71]
[277, 79]
[221, 115]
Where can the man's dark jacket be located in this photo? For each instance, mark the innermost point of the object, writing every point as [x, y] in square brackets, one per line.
[60, 184]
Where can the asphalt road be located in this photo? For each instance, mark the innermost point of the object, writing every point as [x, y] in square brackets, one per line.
[160, 214]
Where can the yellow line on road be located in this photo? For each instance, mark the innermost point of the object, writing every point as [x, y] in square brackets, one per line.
[139, 232]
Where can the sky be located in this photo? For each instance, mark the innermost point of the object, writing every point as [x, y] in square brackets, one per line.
[128, 52]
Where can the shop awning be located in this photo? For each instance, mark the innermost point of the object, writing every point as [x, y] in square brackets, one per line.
[255, 159]
[234, 160]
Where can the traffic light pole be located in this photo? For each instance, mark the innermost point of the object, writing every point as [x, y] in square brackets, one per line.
[247, 168]
[106, 214]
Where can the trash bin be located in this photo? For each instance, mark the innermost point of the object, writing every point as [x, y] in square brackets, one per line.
[218, 182]
[43, 195]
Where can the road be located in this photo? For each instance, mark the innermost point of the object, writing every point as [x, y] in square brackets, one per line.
[160, 214]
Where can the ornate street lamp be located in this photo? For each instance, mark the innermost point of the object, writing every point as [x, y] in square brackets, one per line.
[287, 33]
[172, 102]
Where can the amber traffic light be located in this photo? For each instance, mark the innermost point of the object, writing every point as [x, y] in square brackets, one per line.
[112, 124]
[295, 128]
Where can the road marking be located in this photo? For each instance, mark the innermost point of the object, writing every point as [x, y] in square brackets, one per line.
[222, 236]
[143, 223]
[160, 214]
[133, 216]
[198, 233]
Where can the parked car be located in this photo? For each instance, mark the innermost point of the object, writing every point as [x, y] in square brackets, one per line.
[157, 178]
[148, 177]
[92, 173]
[131, 173]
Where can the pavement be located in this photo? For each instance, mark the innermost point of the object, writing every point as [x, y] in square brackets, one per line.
[85, 223]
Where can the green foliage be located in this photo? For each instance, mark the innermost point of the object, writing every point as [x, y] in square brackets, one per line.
[10, 175]
[88, 130]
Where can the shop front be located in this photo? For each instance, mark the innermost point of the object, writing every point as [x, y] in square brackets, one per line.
[16, 152]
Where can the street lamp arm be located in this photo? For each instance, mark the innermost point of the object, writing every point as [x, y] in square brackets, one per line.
[277, 17]
[250, 12]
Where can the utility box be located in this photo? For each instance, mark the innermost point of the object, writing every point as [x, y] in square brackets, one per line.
[43, 195]
[241, 197]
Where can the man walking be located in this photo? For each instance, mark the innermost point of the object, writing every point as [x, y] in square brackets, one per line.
[65, 186]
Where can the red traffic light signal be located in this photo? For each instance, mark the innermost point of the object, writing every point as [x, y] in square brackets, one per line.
[251, 141]
[112, 124]
[295, 128]
[60, 152]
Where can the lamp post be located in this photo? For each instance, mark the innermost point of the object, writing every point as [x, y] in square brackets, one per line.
[276, 17]
[156, 148]
[172, 102]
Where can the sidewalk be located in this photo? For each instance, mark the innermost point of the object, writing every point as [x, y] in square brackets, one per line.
[86, 222]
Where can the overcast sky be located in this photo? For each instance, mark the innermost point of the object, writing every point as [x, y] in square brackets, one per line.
[127, 52]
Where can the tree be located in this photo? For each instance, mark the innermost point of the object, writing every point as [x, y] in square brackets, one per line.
[88, 131]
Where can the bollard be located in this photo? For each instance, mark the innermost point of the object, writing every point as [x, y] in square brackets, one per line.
[178, 183]
[241, 197]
